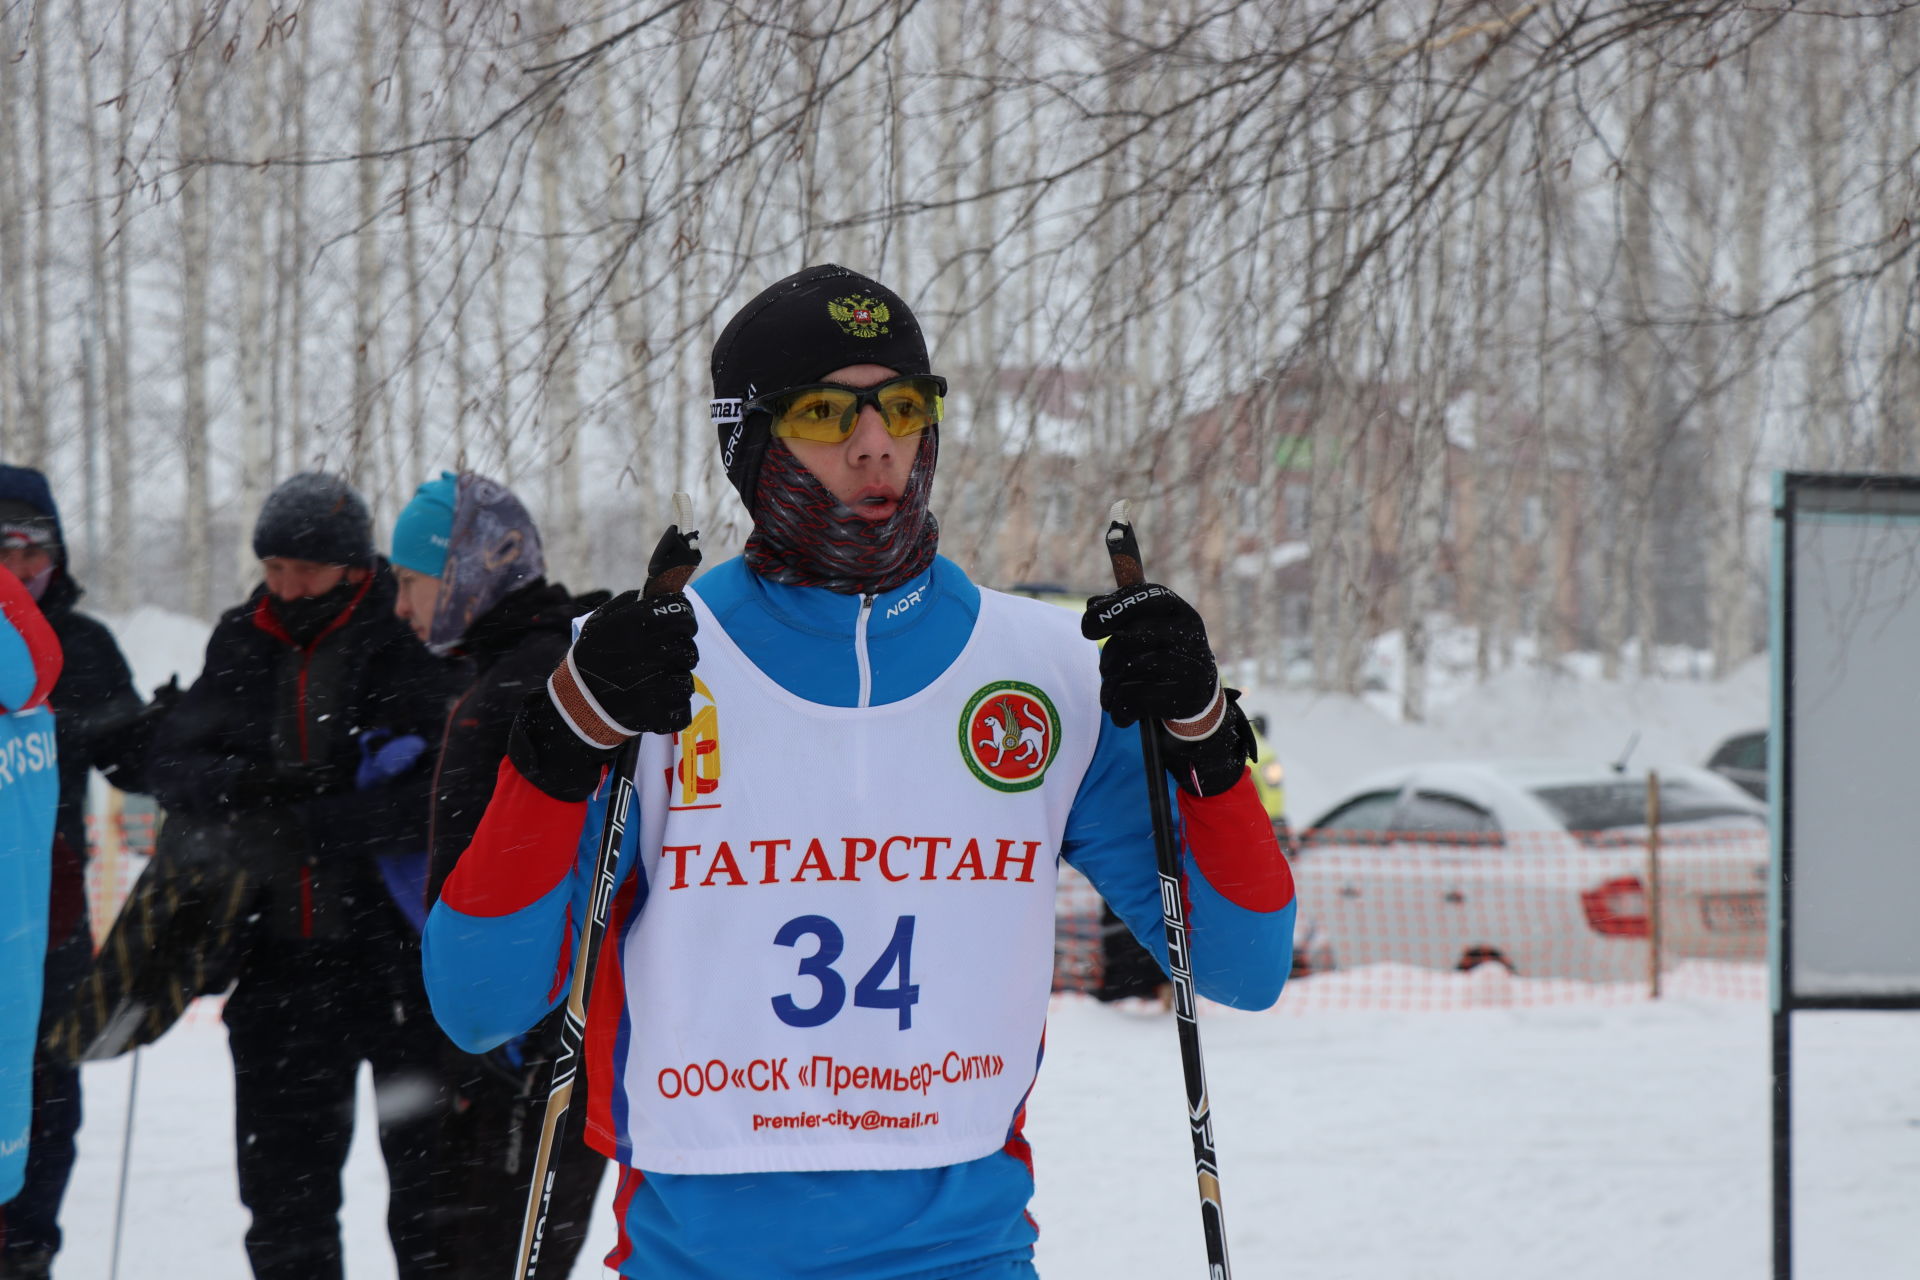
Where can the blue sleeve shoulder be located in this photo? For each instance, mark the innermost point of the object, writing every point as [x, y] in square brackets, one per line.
[490, 978]
[1240, 957]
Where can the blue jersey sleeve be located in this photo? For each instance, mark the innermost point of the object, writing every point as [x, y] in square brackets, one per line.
[1241, 943]
[492, 968]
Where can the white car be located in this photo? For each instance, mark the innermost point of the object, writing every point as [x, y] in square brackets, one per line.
[1541, 866]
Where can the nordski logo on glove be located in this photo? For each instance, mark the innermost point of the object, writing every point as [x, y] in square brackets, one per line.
[1119, 607]
[1009, 734]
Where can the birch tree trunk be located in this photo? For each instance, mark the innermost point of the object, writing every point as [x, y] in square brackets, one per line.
[101, 354]
[1729, 582]
[254, 357]
[295, 215]
[361, 438]
[624, 163]
[565, 520]
[1426, 480]
[35, 448]
[1828, 398]
[1631, 464]
[120, 434]
[412, 196]
[500, 411]
[15, 342]
[1898, 396]
[195, 247]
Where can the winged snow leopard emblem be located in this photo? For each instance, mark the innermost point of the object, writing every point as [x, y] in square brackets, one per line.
[1009, 734]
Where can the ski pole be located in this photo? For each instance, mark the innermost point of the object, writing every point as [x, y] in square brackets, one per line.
[673, 562]
[1124, 551]
[126, 1160]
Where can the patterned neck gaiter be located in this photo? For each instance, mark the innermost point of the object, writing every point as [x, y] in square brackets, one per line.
[804, 538]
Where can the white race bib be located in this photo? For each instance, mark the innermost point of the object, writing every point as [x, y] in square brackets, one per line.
[846, 948]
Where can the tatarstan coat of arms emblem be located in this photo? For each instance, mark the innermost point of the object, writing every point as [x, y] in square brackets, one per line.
[1009, 734]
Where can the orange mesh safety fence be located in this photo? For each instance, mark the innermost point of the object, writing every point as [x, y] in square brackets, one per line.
[119, 845]
[1415, 920]
[119, 842]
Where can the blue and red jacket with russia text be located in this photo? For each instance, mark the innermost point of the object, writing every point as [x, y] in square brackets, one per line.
[498, 954]
[30, 661]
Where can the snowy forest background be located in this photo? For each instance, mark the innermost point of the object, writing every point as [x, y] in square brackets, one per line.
[1386, 315]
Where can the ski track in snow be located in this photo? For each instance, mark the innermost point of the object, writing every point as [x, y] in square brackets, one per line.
[1577, 1142]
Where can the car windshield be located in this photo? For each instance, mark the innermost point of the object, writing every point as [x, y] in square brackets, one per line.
[1609, 806]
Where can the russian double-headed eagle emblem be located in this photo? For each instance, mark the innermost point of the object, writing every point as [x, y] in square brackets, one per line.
[861, 317]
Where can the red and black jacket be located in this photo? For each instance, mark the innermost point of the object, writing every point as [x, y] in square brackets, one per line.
[269, 738]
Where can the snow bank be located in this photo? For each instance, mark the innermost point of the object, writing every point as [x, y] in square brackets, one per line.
[159, 644]
[1327, 741]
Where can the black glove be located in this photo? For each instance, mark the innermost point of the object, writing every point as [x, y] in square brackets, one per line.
[1156, 663]
[1156, 666]
[259, 785]
[630, 672]
[164, 698]
[121, 746]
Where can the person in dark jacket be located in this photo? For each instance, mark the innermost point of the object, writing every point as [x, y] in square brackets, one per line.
[99, 724]
[304, 741]
[470, 567]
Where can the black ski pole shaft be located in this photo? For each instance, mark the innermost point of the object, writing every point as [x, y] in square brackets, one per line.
[673, 562]
[1123, 549]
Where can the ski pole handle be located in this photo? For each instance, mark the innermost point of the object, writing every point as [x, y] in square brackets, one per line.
[677, 554]
[1123, 551]
[668, 569]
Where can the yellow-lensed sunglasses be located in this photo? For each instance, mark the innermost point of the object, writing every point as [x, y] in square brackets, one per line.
[826, 413]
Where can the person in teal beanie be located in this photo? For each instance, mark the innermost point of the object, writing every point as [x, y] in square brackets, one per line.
[473, 586]
[424, 531]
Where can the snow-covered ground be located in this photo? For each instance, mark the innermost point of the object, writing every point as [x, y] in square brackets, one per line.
[1507, 1137]
[1570, 1141]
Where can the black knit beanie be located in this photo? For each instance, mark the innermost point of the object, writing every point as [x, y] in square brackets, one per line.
[795, 332]
[315, 516]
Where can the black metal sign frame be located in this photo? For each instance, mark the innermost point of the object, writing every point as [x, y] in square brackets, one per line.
[1793, 493]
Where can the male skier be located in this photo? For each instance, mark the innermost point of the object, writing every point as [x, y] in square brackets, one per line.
[819, 1006]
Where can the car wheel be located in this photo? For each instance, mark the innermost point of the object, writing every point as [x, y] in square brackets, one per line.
[1473, 957]
[1311, 956]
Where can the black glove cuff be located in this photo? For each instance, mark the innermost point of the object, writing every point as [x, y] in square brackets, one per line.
[550, 755]
[1215, 763]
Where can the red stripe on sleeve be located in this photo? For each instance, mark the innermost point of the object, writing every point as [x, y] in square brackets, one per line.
[602, 1060]
[43, 647]
[524, 847]
[1231, 840]
[563, 969]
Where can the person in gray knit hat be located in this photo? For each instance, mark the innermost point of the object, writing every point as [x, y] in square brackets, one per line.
[300, 757]
[315, 516]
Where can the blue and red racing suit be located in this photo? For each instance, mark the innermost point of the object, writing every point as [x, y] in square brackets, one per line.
[30, 662]
[498, 954]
